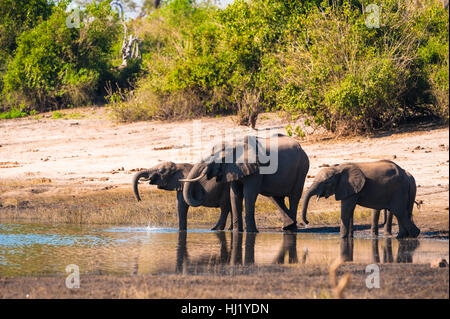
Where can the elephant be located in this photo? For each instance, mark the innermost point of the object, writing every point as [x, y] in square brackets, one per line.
[166, 176]
[377, 185]
[405, 251]
[242, 163]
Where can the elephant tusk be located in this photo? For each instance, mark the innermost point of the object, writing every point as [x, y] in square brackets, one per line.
[318, 197]
[184, 180]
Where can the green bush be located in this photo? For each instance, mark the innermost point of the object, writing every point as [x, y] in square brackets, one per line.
[55, 66]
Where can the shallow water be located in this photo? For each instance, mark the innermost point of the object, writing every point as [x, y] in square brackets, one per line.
[38, 249]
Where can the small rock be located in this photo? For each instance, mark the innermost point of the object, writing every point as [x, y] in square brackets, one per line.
[439, 263]
[324, 165]
[394, 157]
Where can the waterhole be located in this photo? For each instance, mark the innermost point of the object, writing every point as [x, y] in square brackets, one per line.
[38, 249]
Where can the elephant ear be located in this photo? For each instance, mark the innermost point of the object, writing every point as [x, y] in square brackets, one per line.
[235, 171]
[245, 160]
[351, 181]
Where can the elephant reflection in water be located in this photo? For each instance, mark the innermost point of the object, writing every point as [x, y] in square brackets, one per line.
[289, 247]
[405, 252]
[234, 255]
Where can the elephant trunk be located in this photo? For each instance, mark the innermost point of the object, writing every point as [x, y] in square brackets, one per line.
[193, 193]
[141, 174]
[310, 192]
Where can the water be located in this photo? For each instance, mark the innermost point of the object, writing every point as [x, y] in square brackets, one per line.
[38, 249]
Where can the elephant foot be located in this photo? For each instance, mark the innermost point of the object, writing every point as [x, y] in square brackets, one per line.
[375, 231]
[290, 228]
[218, 227]
[230, 228]
[401, 236]
[413, 234]
[252, 230]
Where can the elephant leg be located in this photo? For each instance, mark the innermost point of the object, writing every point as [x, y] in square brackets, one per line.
[236, 248]
[222, 219]
[251, 191]
[182, 255]
[375, 251]
[387, 251]
[182, 208]
[375, 219]
[291, 242]
[346, 249]
[279, 258]
[347, 209]
[293, 207]
[224, 255]
[405, 225]
[388, 223]
[250, 249]
[236, 198]
[284, 211]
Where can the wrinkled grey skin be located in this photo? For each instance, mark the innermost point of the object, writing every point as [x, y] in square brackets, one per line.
[377, 185]
[247, 182]
[166, 176]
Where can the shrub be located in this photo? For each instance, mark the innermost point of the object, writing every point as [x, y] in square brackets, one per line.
[55, 66]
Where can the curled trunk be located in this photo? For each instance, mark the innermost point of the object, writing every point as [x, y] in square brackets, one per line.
[193, 192]
[142, 174]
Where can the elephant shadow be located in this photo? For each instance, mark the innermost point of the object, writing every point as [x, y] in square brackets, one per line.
[405, 251]
[235, 253]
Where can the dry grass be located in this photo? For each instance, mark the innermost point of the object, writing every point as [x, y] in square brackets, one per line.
[272, 281]
[118, 206]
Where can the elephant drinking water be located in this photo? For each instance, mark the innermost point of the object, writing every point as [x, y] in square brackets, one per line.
[167, 175]
[246, 164]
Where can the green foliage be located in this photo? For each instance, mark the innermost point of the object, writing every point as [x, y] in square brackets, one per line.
[55, 66]
[13, 113]
[17, 16]
[307, 58]
[313, 59]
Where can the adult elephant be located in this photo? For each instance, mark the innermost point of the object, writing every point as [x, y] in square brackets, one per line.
[377, 185]
[167, 175]
[275, 167]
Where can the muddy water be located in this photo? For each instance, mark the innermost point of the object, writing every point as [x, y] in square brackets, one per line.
[37, 249]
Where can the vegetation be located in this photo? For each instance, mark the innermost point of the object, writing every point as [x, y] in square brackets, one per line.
[318, 60]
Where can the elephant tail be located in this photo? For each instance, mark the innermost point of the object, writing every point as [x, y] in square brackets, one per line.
[418, 203]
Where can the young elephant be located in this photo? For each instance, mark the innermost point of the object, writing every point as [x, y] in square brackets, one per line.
[377, 185]
[166, 176]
